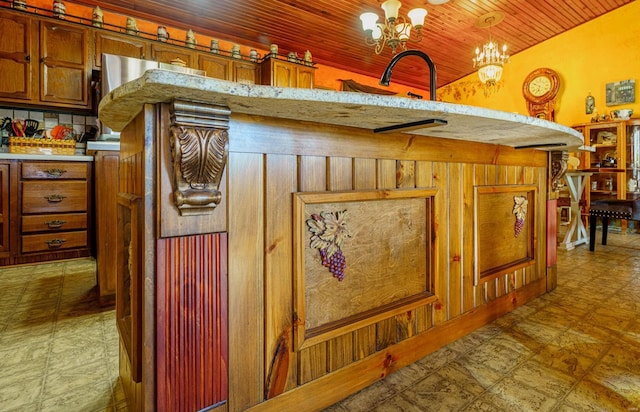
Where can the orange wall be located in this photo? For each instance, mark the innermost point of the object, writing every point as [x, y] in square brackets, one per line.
[605, 50]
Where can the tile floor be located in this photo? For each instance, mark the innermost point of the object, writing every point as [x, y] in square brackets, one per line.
[574, 349]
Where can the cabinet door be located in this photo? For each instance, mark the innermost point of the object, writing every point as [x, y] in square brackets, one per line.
[15, 56]
[215, 66]
[166, 53]
[305, 78]
[245, 73]
[64, 71]
[4, 209]
[120, 45]
[283, 74]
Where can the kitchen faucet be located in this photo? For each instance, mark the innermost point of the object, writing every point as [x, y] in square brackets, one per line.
[386, 75]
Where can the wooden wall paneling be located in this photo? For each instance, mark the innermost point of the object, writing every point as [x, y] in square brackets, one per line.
[456, 237]
[364, 342]
[491, 286]
[364, 177]
[480, 179]
[503, 175]
[364, 174]
[386, 329]
[406, 325]
[405, 174]
[340, 173]
[339, 352]
[312, 363]
[246, 269]
[441, 220]
[281, 181]
[424, 173]
[543, 195]
[469, 290]
[424, 318]
[191, 347]
[312, 177]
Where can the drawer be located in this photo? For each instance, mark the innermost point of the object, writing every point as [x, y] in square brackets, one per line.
[54, 223]
[54, 197]
[51, 242]
[54, 170]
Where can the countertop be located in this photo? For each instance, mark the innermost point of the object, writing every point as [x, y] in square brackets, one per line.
[5, 155]
[368, 111]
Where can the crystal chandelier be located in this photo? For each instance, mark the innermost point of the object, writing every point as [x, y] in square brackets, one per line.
[395, 31]
[491, 59]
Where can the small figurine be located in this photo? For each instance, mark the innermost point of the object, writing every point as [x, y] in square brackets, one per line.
[132, 26]
[59, 9]
[191, 40]
[215, 46]
[19, 4]
[97, 17]
[307, 58]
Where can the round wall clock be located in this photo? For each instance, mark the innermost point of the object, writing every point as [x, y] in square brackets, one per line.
[540, 89]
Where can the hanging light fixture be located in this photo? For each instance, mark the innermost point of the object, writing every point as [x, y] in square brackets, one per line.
[490, 59]
[395, 31]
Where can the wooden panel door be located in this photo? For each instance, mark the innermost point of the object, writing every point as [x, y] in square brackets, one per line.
[64, 74]
[245, 72]
[4, 209]
[280, 74]
[215, 66]
[120, 45]
[305, 78]
[15, 56]
[166, 53]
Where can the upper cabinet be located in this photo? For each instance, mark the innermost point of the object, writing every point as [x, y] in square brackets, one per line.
[64, 66]
[287, 74]
[16, 49]
[119, 44]
[226, 68]
[43, 62]
[164, 53]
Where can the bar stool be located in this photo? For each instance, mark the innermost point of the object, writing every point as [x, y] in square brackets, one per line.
[610, 209]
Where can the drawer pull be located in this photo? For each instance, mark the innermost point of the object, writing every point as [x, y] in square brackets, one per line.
[55, 243]
[54, 198]
[55, 224]
[55, 172]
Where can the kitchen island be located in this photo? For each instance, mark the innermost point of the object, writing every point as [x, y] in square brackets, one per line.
[280, 249]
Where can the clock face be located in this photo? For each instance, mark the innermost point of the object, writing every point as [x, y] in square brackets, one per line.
[539, 86]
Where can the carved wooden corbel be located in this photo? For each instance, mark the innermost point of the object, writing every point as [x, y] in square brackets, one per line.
[558, 169]
[199, 147]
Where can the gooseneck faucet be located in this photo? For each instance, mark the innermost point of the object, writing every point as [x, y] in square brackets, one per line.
[386, 75]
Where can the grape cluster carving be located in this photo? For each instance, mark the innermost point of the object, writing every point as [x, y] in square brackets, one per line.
[328, 231]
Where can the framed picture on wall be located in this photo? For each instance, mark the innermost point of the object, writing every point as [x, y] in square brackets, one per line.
[621, 92]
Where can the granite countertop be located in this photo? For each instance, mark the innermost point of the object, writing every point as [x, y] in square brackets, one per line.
[360, 110]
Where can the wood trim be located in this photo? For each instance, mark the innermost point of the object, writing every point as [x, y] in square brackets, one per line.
[323, 392]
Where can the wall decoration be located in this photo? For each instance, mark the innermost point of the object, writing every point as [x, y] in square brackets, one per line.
[520, 210]
[621, 92]
[329, 230]
[589, 104]
[387, 236]
[497, 250]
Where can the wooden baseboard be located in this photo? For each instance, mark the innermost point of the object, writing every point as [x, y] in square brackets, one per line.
[331, 388]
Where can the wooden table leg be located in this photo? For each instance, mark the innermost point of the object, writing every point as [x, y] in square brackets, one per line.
[592, 232]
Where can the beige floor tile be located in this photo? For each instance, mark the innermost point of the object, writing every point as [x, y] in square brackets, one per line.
[549, 381]
[513, 395]
[589, 396]
[438, 393]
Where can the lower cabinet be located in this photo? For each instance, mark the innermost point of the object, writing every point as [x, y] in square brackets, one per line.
[46, 207]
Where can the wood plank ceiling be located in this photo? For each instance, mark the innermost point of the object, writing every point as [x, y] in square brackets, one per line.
[332, 31]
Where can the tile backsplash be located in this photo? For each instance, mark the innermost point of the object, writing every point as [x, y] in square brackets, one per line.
[48, 120]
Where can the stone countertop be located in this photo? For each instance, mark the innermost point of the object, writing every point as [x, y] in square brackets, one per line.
[368, 111]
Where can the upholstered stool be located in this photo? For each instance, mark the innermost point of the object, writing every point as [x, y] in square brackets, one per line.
[610, 209]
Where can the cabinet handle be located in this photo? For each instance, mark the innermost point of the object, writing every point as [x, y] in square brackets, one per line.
[27, 58]
[54, 198]
[55, 224]
[55, 243]
[55, 172]
[43, 59]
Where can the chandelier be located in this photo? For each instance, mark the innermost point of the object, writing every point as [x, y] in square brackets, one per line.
[395, 31]
[490, 59]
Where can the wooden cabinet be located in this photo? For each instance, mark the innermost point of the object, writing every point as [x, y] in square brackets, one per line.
[606, 160]
[106, 166]
[64, 66]
[8, 201]
[164, 53]
[16, 53]
[43, 61]
[45, 211]
[228, 69]
[119, 44]
[287, 74]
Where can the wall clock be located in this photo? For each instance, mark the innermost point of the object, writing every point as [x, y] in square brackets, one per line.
[540, 89]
